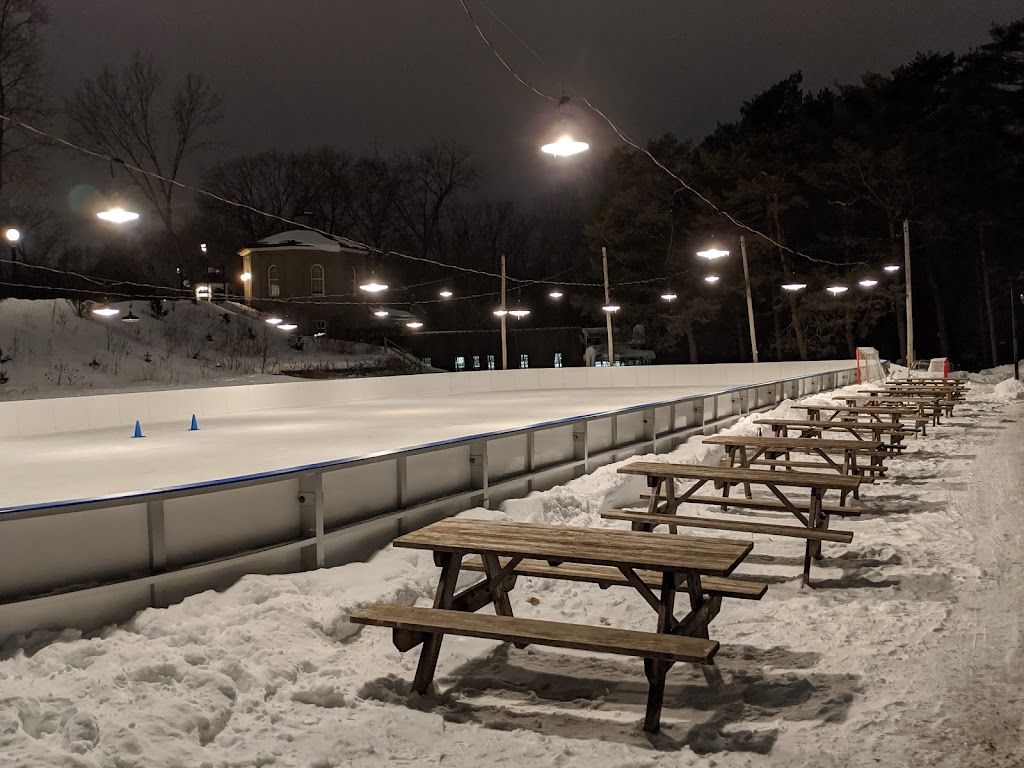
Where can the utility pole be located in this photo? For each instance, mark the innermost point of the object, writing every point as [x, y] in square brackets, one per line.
[910, 296]
[607, 302]
[504, 319]
[750, 300]
[1014, 298]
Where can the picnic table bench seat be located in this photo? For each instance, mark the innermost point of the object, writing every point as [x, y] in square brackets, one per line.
[771, 529]
[408, 622]
[607, 576]
[763, 503]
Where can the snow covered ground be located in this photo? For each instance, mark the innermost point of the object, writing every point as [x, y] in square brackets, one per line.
[907, 653]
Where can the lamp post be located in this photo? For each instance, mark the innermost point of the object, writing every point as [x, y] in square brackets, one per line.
[910, 296]
[13, 236]
[717, 253]
[608, 311]
[1016, 294]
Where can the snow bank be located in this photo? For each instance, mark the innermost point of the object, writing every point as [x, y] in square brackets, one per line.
[1011, 389]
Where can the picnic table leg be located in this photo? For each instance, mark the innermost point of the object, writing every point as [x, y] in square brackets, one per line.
[432, 644]
[809, 550]
[670, 502]
[657, 669]
[745, 463]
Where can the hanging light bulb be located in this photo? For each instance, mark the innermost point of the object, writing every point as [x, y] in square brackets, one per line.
[793, 286]
[414, 324]
[131, 317]
[381, 313]
[373, 284]
[274, 320]
[712, 253]
[669, 296]
[117, 215]
[835, 290]
[868, 283]
[890, 268]
[556, 293]
[610, 308]
[519, 312]
[712, 279]
[446, 294]
[500, 312]
[287, 326]
[564, 145]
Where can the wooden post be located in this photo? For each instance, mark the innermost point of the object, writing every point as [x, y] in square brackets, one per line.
[504, 319]
[910, 295]
[1013, 328]
[750, 300]
[607, 302]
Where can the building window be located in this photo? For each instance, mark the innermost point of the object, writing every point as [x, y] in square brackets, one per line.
[316, 280]
[524, 361]
[320, 327]
[490, 362]
[476, 362]
[460, 363]
[273, 280]
[558, 359]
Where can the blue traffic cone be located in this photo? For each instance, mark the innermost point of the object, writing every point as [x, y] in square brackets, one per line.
[195, 424]
[138, 430]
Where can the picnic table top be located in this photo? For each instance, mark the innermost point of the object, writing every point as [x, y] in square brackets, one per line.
[593, 546]
[907, 391]
[816, 480]
[858, 426]
[879, 409]
[754, 441]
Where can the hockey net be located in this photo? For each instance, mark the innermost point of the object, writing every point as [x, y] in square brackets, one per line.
[869, 365]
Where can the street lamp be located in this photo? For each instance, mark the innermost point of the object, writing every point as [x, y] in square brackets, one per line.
[12, 235]
[373, 284]
[117, 215]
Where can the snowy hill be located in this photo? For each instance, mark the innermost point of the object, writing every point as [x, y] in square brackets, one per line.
[48, 349]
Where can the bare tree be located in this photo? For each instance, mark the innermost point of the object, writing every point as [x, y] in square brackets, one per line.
[21, 85]
[269, 181]
[124, 115]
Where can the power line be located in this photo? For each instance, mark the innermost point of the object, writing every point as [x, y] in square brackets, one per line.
[618, 132]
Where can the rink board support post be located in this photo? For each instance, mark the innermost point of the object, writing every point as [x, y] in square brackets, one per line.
[157, 542]
[478, 476]
[311, 519]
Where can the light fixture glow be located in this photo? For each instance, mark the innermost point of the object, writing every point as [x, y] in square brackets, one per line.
[611, 308]
[668, 296]
[519, 312]
[246, 277]
[867, 283]
[712, 253]
[891, 268]
[104, 311]
[12, 235]
[500, 312]
[373, 284]
[414, 324]
[287, 326]
[565, 146]
[202, 247]
[446, 294]
[274, 320]
[835, 290]
[712, 279]
[131, 317]
[556, 294]
[117, 215]
[381, 313]
[794, 286]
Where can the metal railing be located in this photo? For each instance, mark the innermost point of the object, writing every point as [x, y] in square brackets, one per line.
[86, 563]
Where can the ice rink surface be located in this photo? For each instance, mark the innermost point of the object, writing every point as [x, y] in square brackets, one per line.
[93, 464]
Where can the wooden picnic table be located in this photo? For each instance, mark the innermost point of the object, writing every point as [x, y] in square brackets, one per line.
[748, 451]
[664, 501]
[872, 412]
[695, 565]
[857, 429]
[925, 408]
[937, 400]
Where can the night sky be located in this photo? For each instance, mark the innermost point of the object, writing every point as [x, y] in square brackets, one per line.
[394, 73]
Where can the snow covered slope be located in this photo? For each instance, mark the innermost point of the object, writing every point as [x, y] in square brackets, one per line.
[48, 350]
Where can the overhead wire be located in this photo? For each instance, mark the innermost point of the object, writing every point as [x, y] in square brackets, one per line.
[624, 137]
